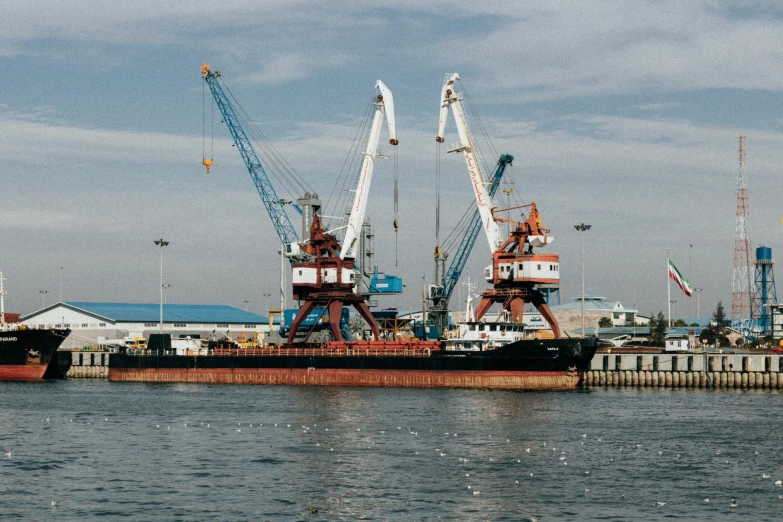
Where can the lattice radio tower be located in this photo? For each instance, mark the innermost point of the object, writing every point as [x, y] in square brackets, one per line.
[742, 282]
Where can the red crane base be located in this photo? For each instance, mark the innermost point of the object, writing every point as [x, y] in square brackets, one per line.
[513, 300]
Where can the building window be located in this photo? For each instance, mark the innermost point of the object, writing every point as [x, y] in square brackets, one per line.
[222, 325]
[58, 325]
[180, 325]
[84, 325]
[101, 324]
[250, 326]
[150, 324]
[67, 325]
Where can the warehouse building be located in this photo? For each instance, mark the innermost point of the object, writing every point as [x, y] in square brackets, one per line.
[93, 323]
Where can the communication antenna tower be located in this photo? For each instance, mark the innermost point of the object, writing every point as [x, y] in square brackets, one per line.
[742, 281]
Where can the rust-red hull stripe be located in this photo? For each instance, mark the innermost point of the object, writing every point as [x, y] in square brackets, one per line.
[22, 372]
[506, 380]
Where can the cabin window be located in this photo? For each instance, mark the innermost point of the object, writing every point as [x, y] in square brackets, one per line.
[250, 326]
[300, 272]
[539, 267]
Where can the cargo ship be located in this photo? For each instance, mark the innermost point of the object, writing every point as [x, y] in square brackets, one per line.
[521, 364]
[30, 354]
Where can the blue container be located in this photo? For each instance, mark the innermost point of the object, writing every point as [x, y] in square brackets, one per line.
[763, 254]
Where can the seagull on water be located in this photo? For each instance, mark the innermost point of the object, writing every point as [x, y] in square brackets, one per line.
[733, 503]
[765, 476]
[777, 482]
[706, 501]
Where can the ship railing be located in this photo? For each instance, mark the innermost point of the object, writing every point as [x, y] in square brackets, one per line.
[322, 352]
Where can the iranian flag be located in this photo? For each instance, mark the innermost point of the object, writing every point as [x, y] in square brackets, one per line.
[683, 283]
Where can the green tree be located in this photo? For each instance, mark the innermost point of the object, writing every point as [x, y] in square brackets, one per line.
[604, 322]
[715, 333]
[658, 330]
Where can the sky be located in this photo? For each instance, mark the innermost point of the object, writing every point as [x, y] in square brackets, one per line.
[622, 115]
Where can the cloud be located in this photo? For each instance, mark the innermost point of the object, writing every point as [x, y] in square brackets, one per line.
[287, 67]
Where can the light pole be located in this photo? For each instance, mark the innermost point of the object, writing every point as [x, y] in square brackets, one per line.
[61, 284]
[698, 298]
[248, 302]
[161, 243]
[43, 295]
[166, 293]
[266, 300]
[582, 228]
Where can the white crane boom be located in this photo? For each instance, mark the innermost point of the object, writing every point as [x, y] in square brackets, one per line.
[384, 104]
[449, 97]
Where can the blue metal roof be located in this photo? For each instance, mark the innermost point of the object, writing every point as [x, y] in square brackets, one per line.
[172, 313]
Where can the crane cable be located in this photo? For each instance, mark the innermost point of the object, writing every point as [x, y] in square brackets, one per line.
[207, 162]
[348, 169]
[396, 205]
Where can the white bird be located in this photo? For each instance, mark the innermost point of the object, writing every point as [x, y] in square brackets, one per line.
[54, 503]
[7, 454]
[733, 503]
[777, 482]
[477, 492]
[660, 504]
[442, 454]
[531, 474]
[706, 501]
[611, 460]
[239, 429]
[468, 487]
[587, 472]
[563, 457]
[599, 440]
[527, 450]
[660, 452]
[587, 490]
[584, 436]
[765, 476]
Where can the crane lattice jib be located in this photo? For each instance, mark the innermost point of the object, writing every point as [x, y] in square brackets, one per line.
[274, 207]
[454, 272]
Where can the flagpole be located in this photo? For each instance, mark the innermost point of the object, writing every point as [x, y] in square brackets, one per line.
[669, 287]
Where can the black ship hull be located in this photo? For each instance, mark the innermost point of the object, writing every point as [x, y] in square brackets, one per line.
[30, 354]
[527, 364]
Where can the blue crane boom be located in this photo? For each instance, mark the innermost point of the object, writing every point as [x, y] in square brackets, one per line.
[274, 205]
[454, 272]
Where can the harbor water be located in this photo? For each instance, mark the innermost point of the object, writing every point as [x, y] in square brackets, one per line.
[90, 449]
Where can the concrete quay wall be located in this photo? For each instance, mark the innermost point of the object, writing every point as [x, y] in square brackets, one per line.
[88, 365]
[692, 370]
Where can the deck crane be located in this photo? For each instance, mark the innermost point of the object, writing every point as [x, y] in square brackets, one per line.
[516, 270]
[328, 279]
[439, 311]
[273, 204]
